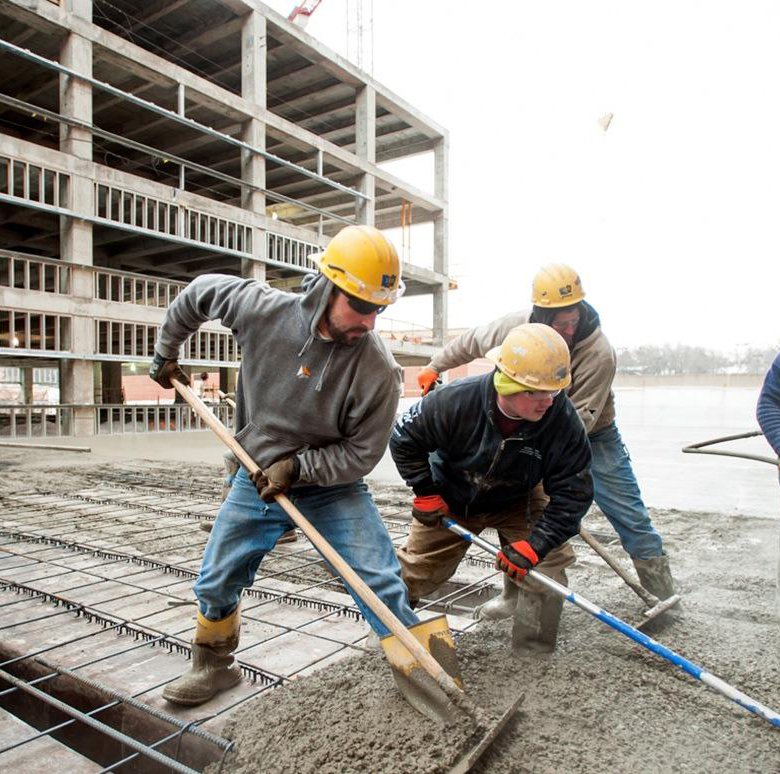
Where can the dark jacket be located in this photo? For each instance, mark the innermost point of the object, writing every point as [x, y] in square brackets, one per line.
[448, 444]
[768, 409]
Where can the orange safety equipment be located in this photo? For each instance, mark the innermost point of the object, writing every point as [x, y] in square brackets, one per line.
[426, 379]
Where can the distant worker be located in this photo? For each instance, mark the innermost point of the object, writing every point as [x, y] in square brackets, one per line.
[768, 409]
[768, 415]
[476, 450]
[558, 301]
[316, 397]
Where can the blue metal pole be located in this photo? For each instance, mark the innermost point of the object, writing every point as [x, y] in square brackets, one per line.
[621, 626]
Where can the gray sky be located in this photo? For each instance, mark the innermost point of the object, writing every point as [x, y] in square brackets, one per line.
[672, 216]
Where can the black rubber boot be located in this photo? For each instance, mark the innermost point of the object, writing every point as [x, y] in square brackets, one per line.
[502, 605]
[655, 576]
[536, 622]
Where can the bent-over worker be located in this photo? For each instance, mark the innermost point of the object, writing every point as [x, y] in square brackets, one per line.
[476, 449]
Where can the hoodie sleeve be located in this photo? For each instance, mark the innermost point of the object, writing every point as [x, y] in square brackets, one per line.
[768, 409]
[592, 378]
[360, 451]
[207, 297]
[567, 482]
[476, 342]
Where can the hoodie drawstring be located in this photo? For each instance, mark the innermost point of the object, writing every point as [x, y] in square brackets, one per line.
[318, 388]
[306, 345]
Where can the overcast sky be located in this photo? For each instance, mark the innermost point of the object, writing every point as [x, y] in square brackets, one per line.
[672, 216]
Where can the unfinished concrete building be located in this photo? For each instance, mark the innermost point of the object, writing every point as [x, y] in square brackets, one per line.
[143, 144]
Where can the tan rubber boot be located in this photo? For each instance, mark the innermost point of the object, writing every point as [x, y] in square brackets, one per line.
[213, 667]
[501, 606]
[655, 576]
[536, 623]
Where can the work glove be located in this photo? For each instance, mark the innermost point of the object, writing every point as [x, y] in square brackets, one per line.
[430, 510]
[162, 371]
[427, 379]
[276, 478]
[517, 559]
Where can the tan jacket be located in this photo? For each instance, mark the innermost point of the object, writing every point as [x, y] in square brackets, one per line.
[593, 366]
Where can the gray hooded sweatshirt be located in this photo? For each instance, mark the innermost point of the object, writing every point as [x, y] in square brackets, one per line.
[333, 405]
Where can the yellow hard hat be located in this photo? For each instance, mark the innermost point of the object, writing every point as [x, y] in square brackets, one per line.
[535, 356]
[557, 285]
[361, 261]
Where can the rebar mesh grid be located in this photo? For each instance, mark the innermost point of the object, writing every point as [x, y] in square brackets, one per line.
[98, 581]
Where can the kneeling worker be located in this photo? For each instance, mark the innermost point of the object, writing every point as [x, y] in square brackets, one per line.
[475, 449]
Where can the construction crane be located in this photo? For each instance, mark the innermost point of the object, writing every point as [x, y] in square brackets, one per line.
[301, 13]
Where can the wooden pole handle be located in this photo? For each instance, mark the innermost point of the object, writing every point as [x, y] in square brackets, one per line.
[647, 598]
[350, 577]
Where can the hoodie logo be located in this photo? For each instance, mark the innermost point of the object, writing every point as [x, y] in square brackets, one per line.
[304, 372]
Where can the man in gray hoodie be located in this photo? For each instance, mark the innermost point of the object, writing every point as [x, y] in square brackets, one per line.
[316, 397]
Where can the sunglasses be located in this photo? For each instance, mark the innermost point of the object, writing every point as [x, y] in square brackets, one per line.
[364, 307]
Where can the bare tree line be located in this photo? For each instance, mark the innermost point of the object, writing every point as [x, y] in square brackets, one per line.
[685, 359]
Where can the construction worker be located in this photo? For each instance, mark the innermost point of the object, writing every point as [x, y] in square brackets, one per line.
[558, 301]
[768, 415]
[316, 397]
[768, 409]
[476, 449]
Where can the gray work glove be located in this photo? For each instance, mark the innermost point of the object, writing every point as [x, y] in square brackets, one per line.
[162, 371]
[276, 478]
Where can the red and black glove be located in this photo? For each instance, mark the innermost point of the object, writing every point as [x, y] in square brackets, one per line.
[427, 379]
[517, 559]
[276, 478]
[429, 510]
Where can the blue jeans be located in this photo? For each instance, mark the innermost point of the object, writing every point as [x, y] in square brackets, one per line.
[246, 529]
[616, 492]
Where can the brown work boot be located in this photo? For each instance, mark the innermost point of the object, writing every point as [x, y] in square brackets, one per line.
[206, 526]
[655, 576]
[214, 668]
[537, 618]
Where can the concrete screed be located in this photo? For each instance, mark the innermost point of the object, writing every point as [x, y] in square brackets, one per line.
[599, 703]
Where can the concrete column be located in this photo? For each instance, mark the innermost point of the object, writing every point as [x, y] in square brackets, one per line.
[253, 89]
[365, 148]
[26, 373]
[111, 382]
[252, 269]
[227, 379]
[77, 375]
[441, 240]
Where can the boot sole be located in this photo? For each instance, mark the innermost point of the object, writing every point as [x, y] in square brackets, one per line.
[193, 701]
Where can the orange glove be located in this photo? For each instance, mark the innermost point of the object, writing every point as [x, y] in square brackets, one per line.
[429, 510]
[517, 559]
[427, 379]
